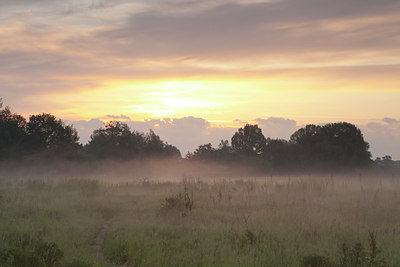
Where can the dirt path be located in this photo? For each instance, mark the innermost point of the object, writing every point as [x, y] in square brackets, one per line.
[98, 246]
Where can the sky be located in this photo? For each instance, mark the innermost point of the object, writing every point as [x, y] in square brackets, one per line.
[195, 71]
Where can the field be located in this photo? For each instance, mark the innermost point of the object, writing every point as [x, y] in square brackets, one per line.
[321, 220]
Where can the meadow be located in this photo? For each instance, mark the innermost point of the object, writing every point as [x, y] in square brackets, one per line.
[308, 220]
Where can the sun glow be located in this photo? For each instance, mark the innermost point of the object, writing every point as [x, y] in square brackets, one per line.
[222, 99]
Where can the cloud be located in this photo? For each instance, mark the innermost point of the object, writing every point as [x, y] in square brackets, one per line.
[86, 128]
[284, 29]
[277, 127]
[186, 133]
[117, 117]
[390, 120]
[153, 40]
[383, 136]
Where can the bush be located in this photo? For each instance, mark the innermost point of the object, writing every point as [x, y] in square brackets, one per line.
[182, 202]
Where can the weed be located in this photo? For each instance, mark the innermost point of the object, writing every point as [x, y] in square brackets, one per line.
[357, 256]
[173, 203]
[250, 236]
[373, 255]
[182, 202]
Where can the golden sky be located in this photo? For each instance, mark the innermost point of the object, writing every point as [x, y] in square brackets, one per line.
[225, 61]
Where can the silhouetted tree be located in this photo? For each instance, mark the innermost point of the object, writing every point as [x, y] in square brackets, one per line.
[305, 142]
[306, 136]
[224, 151]
[332, 145]
[207, 153]
[171, 151]
[48, 134]
[115, 140]
[12, 133]
[279, 154]
[386, 162]
[155, 147]
[154, 144]
[203, 152]
[343, 143]
[224, 146]
[249, 141]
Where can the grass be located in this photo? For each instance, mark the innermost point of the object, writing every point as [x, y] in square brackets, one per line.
[257, 221]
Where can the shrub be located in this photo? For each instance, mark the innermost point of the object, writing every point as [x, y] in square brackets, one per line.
[182, 202]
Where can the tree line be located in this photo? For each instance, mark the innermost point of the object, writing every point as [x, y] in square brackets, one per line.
[47, 137]
[334, 145]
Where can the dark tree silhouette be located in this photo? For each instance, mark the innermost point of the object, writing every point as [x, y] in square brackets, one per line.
[154, 146]
[204, 153]
[279, 154]
[333, 145]
[48, 134]
[249, 141]
[386, 162]
[306, 136]
[116, 140]
[343, 143]
[305, 142]
[207, 153]
[12, 133]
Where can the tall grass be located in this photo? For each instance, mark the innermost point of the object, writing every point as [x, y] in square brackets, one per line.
[256, 221]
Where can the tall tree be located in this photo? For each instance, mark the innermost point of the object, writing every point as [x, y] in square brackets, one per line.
[48, 134]
[203, 152]
[344, 143]
[279, 154]
[115, 140]
[12, 133]
[306, 144]
[154, 146]
[332, 145]
[249, 141]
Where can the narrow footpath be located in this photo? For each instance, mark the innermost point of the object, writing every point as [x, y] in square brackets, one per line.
[98, 246]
